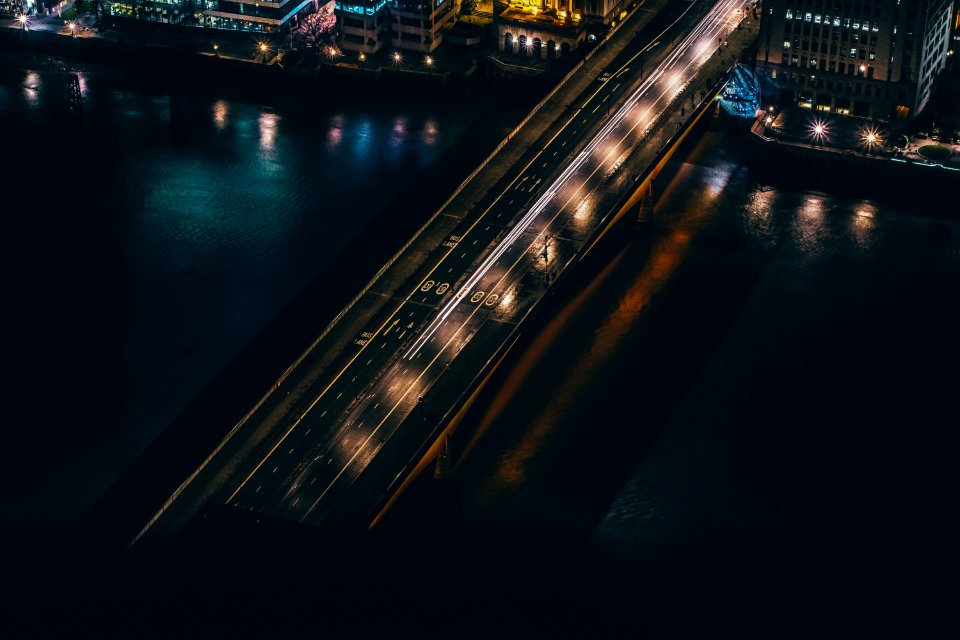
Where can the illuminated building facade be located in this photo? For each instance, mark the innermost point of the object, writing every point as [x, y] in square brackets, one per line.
[955, 33]
[237, 15]
[872, 58]
[364, 25]
[413, 25]
[552, 28]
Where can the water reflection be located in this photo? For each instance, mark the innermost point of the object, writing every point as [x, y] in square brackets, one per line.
[335, 133]
[758, 214]
[863, 225]
[399, 131]
[220, 112]
[808, 225]
[31, 88]
[268, 131]
[430, 132]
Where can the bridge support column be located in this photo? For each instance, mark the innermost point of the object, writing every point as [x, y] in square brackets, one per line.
[442, 469]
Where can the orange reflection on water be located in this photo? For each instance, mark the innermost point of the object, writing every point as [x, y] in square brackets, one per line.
[667, 254]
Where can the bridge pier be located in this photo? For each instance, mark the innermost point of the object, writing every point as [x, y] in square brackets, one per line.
[442, 468]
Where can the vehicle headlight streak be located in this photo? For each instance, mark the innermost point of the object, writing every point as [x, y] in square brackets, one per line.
[710, 26]
[716, 22]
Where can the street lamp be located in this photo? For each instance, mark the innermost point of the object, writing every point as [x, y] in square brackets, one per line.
[397, 58]
[428, 61]
[819, 131]
[216, 49]
[363, 56]
[73, 28]
[871, 138]
[23, 22]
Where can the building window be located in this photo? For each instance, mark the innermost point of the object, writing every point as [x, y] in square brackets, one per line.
[808, 17]
[853, 53]
[786, 44]
[789, 14]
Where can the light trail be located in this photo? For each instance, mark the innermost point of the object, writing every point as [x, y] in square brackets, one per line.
[717, 16]
[717, 21]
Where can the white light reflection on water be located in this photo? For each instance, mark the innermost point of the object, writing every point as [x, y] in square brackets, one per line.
[808, 225]
[863, 225]
[758, 214]
[31, 88]
[268, 131]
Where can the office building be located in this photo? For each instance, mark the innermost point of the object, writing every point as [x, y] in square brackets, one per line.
[874, 58]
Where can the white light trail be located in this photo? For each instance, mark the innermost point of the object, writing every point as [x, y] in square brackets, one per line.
[711, 26]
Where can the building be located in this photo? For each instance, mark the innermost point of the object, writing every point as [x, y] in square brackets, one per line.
[413, 25]
[872, 58]
[955, 34]
[260, 16]
[364, 25]
[552, 28]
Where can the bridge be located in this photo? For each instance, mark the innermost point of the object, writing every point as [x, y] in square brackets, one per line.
[378, 393]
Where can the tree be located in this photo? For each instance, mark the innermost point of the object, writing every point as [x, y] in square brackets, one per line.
[316, 30]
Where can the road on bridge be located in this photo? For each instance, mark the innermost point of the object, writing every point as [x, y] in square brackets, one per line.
[484, 279]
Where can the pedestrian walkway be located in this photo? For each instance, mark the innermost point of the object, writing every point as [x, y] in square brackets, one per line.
[854, 135]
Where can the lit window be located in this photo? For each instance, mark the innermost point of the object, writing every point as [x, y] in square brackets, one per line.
[808, 17]
[856, 24]
[789, 14]
[876, 27]
[786, 44]
[853, 53]
[817, 18]
[866, 26]
[836, 22]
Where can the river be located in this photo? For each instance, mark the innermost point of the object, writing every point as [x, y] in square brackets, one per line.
[762, 386]
[151, 239]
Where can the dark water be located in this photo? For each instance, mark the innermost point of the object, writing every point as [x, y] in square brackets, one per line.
[149, 241]
[762, 393]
